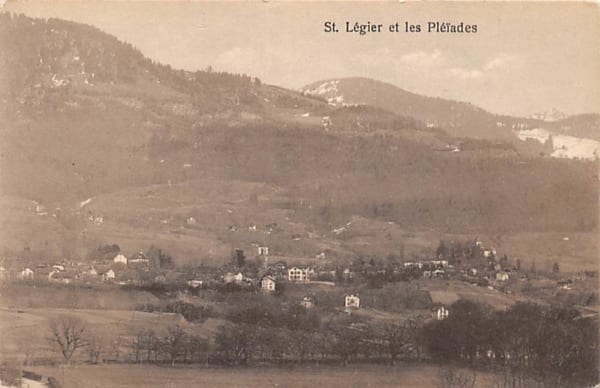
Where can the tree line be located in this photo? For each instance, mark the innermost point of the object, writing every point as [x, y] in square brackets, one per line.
[526, 345]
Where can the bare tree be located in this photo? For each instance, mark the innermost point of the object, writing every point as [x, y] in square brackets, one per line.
[175, 342]
[95, 347]
[68, 332]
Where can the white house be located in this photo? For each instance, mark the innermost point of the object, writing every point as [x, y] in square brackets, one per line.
[440, 313]
[108, 275]
[299, 275]
[233, 278]
[120, 258]
[194, 283]
[352, 301]
[489, 252]
[91, 272]
[438, 273]
[267, 283]
[238, 278]
[27, 273]
[263, 251]
[502, 276]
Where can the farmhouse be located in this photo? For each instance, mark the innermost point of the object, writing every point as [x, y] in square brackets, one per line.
[352, 301]
[298, 275]
[263, 251]
[267, 283]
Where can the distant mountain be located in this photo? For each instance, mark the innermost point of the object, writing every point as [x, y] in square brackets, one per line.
[457, 118]
[583, 125]
[550, 116]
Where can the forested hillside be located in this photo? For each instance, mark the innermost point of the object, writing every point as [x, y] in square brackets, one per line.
[85, 115]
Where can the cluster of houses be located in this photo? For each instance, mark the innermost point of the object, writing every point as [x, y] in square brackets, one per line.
[118, 269]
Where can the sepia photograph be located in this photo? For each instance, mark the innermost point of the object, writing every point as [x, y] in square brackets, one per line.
[299, 194]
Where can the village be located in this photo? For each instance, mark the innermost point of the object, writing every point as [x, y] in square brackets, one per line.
[469, 263]
[260, 307]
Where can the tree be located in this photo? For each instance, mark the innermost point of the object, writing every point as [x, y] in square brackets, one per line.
[239, 257]
[399, 338]
[237, 342]
[347, 341]
[158, 258]
[555, 268]
[174, 342]
[95, 347]
[68, 333]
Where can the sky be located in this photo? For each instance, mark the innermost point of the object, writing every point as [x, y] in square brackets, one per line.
[525, 58]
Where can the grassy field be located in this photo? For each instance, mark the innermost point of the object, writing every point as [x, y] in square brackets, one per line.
[56, 296]
[422, 376]
[25, 331]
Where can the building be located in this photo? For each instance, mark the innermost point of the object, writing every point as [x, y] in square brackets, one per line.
[267, 283]
[348, 274]
[502, 276]
[90, 272]
[107, 275]
[63, 277]
[352, 301]
[120, 258]
[438, 273]
[195, 283]
[263, 251]
[233, 278]
[307, 302]
[45, 272]
[26, 273]
[298, 275]
[440, 313]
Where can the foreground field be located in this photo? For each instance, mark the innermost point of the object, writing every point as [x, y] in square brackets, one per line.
[153, 376]
[26, 332]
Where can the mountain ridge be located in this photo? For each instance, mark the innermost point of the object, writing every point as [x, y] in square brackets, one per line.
[462, 119]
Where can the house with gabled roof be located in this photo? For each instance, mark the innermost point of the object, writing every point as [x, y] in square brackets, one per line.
[268, 283]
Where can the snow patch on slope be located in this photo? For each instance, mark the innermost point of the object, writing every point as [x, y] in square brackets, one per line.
[563, 146]
[327, 90]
